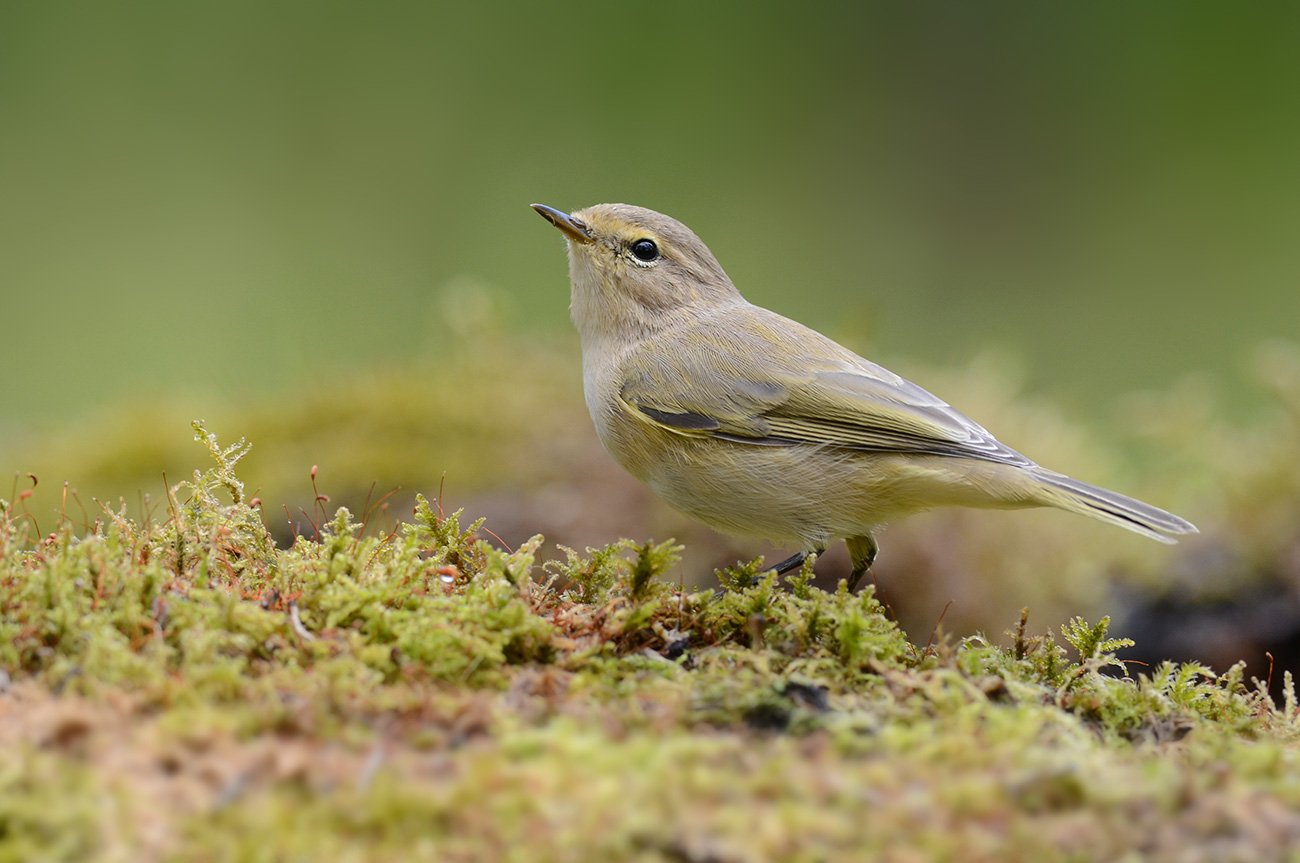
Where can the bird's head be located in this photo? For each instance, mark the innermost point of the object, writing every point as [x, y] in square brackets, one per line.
[634, 269]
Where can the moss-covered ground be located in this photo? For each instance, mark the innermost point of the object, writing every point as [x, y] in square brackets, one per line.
[180, 687]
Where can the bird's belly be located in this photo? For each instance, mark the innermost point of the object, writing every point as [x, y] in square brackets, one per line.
[796, 494]
[782, 494]
[801, 493]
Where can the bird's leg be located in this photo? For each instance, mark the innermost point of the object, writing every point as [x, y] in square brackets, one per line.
[791, 563]
[862, 551]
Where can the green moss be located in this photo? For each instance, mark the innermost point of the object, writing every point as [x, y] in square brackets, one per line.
[450, 699]
[50, 809]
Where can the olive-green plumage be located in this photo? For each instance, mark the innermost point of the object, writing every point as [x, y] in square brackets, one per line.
[760, 426]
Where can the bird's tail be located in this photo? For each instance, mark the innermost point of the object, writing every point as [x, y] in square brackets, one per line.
[1109, 506]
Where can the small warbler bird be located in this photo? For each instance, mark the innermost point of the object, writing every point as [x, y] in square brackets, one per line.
[759, 426]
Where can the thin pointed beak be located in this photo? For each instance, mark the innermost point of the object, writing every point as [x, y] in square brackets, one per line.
[574, 229]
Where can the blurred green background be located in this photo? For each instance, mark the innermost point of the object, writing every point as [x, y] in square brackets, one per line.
[309, 223]
[235, 197]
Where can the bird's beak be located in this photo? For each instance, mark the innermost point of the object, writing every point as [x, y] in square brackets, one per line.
[574, 229]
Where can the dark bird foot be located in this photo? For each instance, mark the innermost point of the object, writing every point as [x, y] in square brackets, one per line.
[862, 551]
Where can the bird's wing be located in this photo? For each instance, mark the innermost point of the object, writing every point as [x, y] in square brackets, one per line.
[800, 388]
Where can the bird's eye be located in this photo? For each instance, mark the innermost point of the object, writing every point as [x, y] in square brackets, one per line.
[645, 251]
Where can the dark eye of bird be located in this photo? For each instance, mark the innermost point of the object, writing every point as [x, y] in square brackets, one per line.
[645, 250]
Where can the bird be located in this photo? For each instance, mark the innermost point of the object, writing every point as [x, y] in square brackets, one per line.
[759, 426]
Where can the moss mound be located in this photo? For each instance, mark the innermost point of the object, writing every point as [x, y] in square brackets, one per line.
[182, 688]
